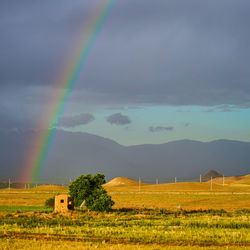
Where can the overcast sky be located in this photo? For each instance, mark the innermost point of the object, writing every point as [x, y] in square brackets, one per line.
[158, 71]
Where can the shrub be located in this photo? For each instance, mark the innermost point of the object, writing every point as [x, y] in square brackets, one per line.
[50, 202]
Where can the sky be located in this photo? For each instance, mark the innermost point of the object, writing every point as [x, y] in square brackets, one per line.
[158, 71]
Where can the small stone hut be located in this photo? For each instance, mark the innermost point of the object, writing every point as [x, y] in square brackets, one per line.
[63, 203]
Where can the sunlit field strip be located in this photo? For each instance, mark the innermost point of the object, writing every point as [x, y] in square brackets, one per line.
[11, 243]
[152, 200]
[163, 228]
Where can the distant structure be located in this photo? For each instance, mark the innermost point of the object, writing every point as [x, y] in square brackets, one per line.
[211, 173]
[63, 203]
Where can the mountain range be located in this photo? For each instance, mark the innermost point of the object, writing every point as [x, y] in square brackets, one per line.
[74, 153]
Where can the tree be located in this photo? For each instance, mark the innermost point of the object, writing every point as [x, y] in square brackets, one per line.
[99, 201]
[89, 188]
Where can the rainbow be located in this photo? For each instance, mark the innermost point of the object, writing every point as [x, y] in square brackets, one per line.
[40, 144]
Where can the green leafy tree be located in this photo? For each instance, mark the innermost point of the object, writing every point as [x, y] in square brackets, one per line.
[89, 188]
[99, 201]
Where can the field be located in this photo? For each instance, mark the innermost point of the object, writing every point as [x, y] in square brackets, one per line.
[176, 216]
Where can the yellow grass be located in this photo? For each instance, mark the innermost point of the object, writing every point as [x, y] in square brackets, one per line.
[29, 197]
[135, 229]
[234, 180]
[125, 193]
[169, 196]
[58, 245]
[186, 195]
[49, 188]
[187, 201]
[180, 187]
[132, 229]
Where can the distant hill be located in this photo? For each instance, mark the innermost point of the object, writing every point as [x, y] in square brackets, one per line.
[211, 173]
[121, 181]
[234, 180]
[123, 184]
[74, 153]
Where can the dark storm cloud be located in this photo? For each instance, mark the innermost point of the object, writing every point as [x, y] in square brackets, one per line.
[118, 119]
[149, 52]
[186, 53]
[35, 38]
[12, 121]
[160, 129]
[77, 120]
[6, 121]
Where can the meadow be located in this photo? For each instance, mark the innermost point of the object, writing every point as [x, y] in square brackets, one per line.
[174, 216]
[128, 228]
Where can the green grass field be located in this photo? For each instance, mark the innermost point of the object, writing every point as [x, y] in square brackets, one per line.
[24, 209]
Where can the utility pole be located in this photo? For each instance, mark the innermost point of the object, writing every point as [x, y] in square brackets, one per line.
[28, 186]
[211, 185]
[157, 182]
[175, 179]
[139, 184]
[223, 180]
[9, 184]
[200, 178]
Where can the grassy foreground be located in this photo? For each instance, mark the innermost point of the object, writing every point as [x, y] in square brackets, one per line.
[171, 216]
[127, 228]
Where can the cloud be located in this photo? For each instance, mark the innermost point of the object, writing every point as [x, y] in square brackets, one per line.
[77, 120]
[209, 110]
[226, 108]
[160, 129]
[187, 124]
[222, 108]
[118, 119]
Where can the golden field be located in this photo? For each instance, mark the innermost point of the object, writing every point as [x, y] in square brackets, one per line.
[166, 216]
[235, 194]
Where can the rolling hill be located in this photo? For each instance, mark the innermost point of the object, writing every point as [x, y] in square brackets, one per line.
[231, 184]
[121, 181]
[234, 180]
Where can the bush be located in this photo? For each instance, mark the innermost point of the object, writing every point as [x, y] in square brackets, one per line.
[50, 202]
[89, 188]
